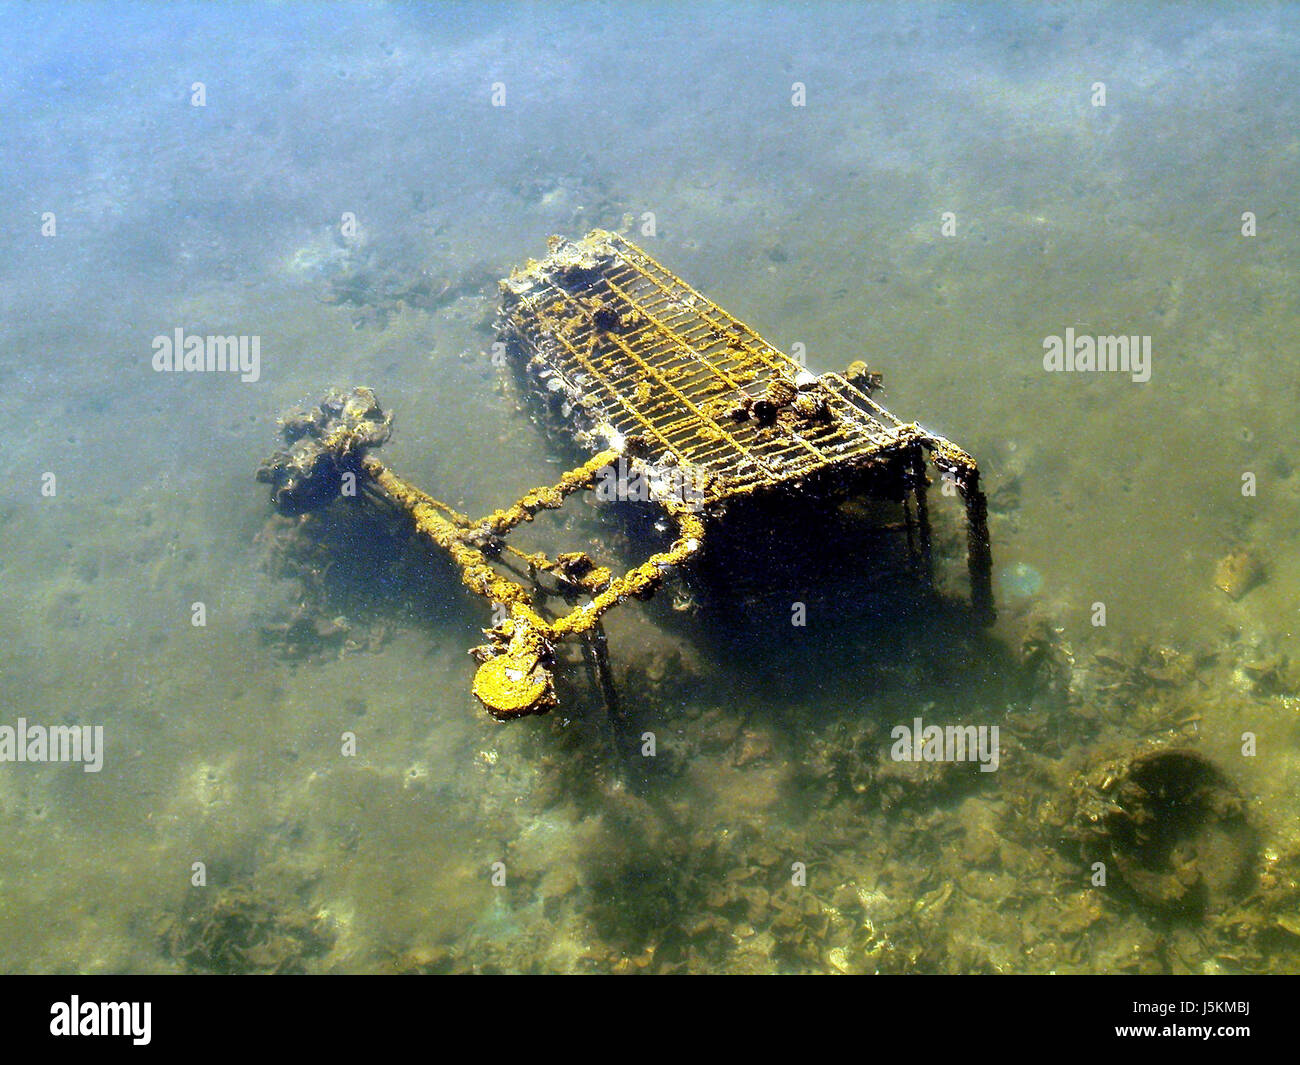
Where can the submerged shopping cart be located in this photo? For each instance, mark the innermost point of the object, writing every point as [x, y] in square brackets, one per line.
[672, 396]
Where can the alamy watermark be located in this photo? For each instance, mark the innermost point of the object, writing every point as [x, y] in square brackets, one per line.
[77, 1018]
[53, 743]
[1097, 354]
[623, 482]
[179, 353]
[946, 743]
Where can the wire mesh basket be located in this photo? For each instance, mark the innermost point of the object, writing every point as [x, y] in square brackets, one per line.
[663, 385]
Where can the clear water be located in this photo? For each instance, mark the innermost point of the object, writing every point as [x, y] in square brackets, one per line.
[821, 226]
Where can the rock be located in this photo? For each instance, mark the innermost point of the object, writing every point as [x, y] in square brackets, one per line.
[1078, 912]
[1171, 825]
[981, 846]
[1238, 572]
[754, 747]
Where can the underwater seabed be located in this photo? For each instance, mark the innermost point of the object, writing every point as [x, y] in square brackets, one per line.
[772, 831]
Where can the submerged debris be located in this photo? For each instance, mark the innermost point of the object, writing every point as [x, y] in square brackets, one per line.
[707, 419]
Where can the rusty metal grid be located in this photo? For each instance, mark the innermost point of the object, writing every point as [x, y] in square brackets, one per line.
[643, 352]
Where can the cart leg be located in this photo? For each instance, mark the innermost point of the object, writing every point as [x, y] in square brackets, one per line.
[979, 553]
[595, 651]
[919, 479]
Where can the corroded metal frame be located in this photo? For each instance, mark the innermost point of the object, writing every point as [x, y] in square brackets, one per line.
[637, 367]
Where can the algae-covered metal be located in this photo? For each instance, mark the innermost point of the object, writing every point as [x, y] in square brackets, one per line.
[636, 358]
[639, 368]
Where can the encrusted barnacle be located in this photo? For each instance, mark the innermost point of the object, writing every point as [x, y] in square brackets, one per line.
[326, 443]
[811, 407]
